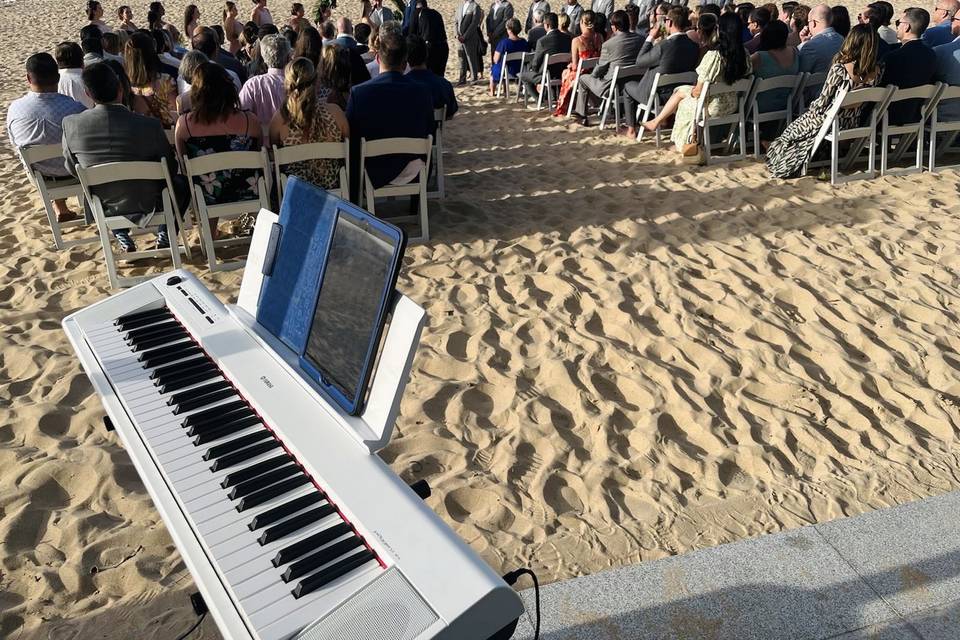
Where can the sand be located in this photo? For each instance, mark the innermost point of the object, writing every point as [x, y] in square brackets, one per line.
[626, 358]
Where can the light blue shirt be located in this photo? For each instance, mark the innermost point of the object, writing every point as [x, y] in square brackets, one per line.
[938, 35]
[37, 118]
[948, 70]
[817, 53]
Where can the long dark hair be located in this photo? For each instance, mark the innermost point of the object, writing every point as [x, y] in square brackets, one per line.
[730, 47]
[310, 46]
[213, 96]
[860, 48]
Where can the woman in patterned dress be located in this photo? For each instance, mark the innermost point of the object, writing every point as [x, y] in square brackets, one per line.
[304, 118]
[158, 90]
[728, 62]
[586, 45]
[854, 67]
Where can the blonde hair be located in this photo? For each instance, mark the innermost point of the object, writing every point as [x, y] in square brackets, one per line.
[228, 6]
[564, 21]
[300, 81]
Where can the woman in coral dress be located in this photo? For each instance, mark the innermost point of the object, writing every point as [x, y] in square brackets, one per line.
[586, 45]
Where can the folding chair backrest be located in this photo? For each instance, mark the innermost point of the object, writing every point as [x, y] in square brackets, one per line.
[712, 89]
[396, 146]
[439, 115]
[511, 57]
[39, 152]
[283, 156]
[224, 161]
[123, 171]
[557, 58]
[928, 93]
[586, 65]
[623, 73]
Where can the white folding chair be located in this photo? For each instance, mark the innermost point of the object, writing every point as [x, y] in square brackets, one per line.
[649, 109]
[417, 187]
[208, 215]
[100, 175]
[550, 85]
[858, 136]
[585, 65]
[436, 169]
[285, 156]
[810, 84]
[503, 82]
[614, 94]
[737, 120]
[910, 132]
[947, 129]
[756, 117]
[51, 189]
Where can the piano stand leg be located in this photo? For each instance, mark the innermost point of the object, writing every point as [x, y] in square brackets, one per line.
[507, 632]
[107, 423]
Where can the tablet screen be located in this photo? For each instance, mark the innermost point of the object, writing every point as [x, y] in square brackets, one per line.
[346, 320]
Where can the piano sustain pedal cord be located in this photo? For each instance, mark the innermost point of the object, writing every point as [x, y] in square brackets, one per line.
[511, 579]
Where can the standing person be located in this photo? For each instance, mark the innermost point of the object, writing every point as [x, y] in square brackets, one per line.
[428, 24]
[573, 10]
[537, 5]
[260, 14]
[912, 65]
[501, 11]
[297, 20]
[820, 42]
[345, 34]
[604, 8]
[554, 41]
[855, 67]
[95, 16]
[70, 60]
[468, 19]
[586, 45]
[621, 49]
[159, 12]
[143, 68]
[126, 19]
[232, 29]
[380, 14]
[943, 15]
[263, 94]
[37, 118]
[513, 43]
[191, 19]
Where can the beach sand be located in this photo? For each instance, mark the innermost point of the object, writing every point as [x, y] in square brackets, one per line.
[626, 358]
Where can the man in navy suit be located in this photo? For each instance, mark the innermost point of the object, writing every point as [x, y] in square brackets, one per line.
[440, 88]
[389, 106]
[912, 65]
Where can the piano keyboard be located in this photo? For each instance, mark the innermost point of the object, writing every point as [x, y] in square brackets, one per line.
[273, 531]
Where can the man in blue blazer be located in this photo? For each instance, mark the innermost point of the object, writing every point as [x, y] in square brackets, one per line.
[389, 106]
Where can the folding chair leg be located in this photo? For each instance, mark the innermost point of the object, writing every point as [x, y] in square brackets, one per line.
[834, 159]
[756, 137]
[919, 159]
[171, 222]
[884, 151]
[54, 224]
[424, 221]
[706, 140]
[108, 257]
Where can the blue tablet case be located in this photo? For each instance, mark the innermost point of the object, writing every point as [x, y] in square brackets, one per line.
[288, 294]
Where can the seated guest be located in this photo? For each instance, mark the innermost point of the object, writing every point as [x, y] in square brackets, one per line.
[941, 32]
[513, 43]
[885, 12]
[216, 124]
[290, 36]
[110, 43]
[36, 118]
[373, 67]
[855, 67]
[674, 54]
[110, 132]
[133, 102]
[328, 32]
[726, 62]
[188, 66]
[206, 42]
[798, 24]
[537, 31]
[248, 44]
[362, 33]
[841, 20]
[69, 57]
[388, 106]
[92, 49]
[554, 41]
[633, 14]
[706, 34]
[263, 94]
[302, 119]
[440, 88]
[563, 24]
[822, 42]
[912, 65]
[345, 34]
[759, 19]
[143, 68]
[584, 46]
[310, 46]
[95, 15]
[871, 15]
[774, 59]
[169, 63]
[621, 49]
[333, 76]
[947, 70]
[126, 19]
[346, 41]
[297, 21]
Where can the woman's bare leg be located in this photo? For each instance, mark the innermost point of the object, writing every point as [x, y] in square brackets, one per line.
[668, 110]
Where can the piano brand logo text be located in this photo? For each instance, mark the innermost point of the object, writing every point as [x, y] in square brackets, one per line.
[265, 380]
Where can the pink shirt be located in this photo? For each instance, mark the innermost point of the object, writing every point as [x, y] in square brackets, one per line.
[263, 94]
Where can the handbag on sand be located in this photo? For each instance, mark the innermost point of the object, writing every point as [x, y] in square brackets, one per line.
[692, 151]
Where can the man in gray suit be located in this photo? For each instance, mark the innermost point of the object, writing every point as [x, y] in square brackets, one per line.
[603, 6]
[500, 12]
[620, 50]
[468, 19]
[537, 5]
[110, 132]
[575, 11]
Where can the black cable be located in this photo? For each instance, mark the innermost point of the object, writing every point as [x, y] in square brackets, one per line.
[193, 628]
[511, 579]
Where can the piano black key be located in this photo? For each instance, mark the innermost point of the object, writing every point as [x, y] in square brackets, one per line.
[147, 333]
[196, 392]
[211, 431]
[295, 523]
[254, 470]
[331, 573]
[233, 459]
[129, 325]
[236, 444]
[271, 492]
[155, 361]
[216, 422]
[205, 400]
[131, 317]
[310, 543]
[191, 369]
[173, 369]
[282, 511]
[160, 341]
[263, 481]
[320, 558]
[166, 350]
[191, 377]
[214, 413]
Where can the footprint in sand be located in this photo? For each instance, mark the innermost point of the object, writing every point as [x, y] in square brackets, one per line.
[565, 493]
[478, 507]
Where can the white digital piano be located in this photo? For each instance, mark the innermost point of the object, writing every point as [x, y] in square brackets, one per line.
[290, 524]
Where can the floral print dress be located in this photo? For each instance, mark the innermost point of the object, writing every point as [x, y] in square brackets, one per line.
[231, 185]
[709, 70]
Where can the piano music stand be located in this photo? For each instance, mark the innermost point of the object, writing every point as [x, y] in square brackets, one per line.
[374, 427]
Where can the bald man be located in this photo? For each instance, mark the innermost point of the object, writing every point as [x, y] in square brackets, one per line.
[942, 19]
[820, 42]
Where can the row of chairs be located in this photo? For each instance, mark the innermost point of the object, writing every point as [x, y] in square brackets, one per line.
[894, 141]
[269, 172]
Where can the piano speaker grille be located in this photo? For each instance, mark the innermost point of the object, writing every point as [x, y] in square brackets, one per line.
[386, 609]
